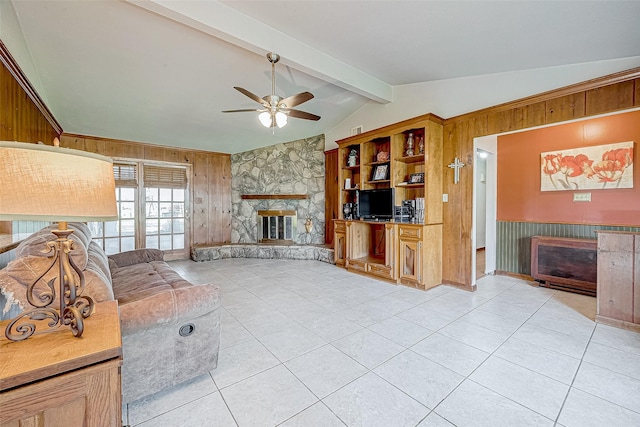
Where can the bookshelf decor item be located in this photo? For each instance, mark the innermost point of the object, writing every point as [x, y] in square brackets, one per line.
[353, 158]
[382, 156]
[409, 151]
[380, 173]
[416, 178]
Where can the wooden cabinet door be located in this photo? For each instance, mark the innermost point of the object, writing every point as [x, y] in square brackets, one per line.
[410, 266]
[390, 250]
[88, 397]
[636, 280]
[340, 247]
[615, 276]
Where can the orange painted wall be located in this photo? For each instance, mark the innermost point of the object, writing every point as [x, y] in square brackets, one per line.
[519, 196]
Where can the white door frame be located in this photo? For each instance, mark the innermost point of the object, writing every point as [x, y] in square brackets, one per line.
[488, 144]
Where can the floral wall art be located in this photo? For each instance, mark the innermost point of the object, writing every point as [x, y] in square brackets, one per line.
[598, 167]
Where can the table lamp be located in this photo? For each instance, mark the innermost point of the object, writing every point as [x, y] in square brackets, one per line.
[45, 183]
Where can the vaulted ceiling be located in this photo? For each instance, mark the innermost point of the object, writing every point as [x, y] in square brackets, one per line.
[162, 71]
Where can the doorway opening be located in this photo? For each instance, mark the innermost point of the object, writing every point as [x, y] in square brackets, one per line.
[483, 259]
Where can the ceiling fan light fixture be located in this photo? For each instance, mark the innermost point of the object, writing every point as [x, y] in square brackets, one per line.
[265, 119]
[276, 109]
[281, 119]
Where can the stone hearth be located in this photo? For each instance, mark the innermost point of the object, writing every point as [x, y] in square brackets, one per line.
[310, 252]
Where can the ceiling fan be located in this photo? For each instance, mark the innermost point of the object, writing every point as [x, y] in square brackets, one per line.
[276, 109]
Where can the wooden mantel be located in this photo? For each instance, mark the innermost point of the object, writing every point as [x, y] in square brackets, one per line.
[274, 196]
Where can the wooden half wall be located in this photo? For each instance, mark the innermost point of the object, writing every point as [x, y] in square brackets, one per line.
[211, 184]
[616, 92]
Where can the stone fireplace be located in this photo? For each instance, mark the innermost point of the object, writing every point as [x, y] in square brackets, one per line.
[277, 226]
[292, 168]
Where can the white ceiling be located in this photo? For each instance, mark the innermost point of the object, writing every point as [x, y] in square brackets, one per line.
[162, 71]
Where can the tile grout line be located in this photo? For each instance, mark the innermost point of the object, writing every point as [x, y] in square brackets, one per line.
[467, 378]
[575, 375]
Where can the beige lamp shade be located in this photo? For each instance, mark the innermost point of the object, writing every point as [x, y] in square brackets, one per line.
[44, 183]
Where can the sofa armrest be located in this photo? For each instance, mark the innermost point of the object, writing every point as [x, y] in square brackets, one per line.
[136, 256]
[173, 306]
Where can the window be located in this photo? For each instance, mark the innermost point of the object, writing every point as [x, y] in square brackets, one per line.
[158, 222]
[164, 218]
[118, 236]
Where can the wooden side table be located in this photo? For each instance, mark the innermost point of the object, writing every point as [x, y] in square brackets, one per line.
[55, 379]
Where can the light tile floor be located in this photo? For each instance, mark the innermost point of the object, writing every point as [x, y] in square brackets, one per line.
[306, 343]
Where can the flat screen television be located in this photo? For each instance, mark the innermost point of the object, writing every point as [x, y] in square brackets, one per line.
[376, 204]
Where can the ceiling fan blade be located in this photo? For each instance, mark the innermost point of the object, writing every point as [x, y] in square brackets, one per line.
[294, 100]
[302, 115]
[241, 111]
[251, 95]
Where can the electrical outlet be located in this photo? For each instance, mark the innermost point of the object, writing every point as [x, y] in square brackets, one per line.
[581, 197]
[445, 198]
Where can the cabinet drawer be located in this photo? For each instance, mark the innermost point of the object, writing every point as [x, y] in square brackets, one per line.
[410, 232]
[339, 226]
[380, 270]
[357, 265]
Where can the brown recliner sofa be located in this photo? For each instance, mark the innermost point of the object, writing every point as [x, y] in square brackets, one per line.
[170, 327]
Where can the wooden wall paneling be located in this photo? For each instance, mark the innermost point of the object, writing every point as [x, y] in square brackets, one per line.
[497, 122]
[73, 142]
[20, 119]
[124, 149]
[23, 115]
[227, 201]
[94, 145]
[465, 188]
[200, 200]
[163, 154]
[609, 98]
[214, 201]
[433, 177]
[331, 203]
[452, 214]
[534, 114]
[506, 120]
[219, 204]
[565, 108]
[7, 110]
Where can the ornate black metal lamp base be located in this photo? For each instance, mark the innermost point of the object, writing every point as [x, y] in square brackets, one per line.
[74, 307]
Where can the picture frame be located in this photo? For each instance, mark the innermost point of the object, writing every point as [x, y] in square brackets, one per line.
[598, 167]
[416, 178]
[380, 173]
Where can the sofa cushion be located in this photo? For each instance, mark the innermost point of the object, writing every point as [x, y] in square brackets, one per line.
[140, 281]
[36, 246]
[98, 259]
[136, 256]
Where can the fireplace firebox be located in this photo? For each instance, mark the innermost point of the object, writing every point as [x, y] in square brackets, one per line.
[277, 226]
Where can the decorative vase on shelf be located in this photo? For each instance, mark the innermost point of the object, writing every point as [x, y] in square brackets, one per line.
[353, 158]
[409, 151]
[420, 145]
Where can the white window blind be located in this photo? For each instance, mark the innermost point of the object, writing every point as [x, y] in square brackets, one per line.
[164, 177]
[125, 175]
